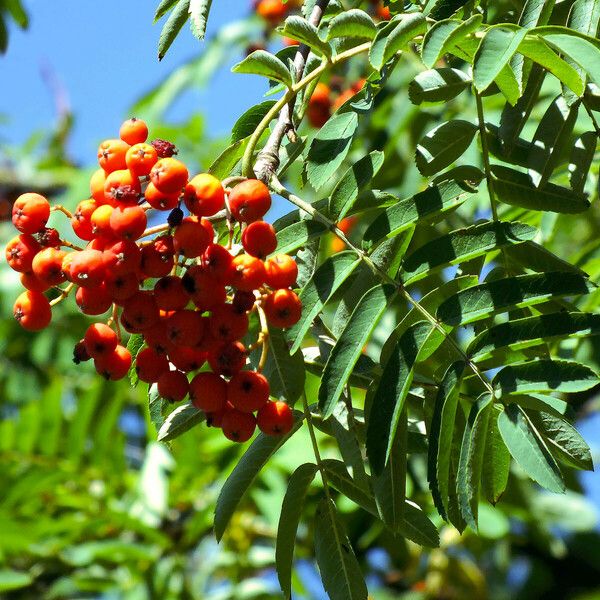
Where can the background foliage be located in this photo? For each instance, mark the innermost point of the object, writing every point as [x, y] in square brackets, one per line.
[93, 506]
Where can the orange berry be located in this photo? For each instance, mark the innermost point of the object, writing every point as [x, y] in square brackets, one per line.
[283, 308]
[259, 239]
[111, 155]
[122, 258]
[128, 222]
[192, 237]
[249, 200]
[169, 175]
[97, 181]
[133, 131]
[47, 266]
[150, 365]
[204, 195]
[81, 222]
[20, 252]
[173, 386]
[248, 273]
[31, 282]
[30, 212]
[114, 365]
[140, 159]
[32, 310]
[272, 11]
[281, 271]
[122, 187]
[170, 293]
[100, 221]
[93, 301]
[86, 268]
[159, 200]
[100, 340]
[217, 262]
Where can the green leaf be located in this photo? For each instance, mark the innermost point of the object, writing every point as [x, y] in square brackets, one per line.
[156, 407]
[394, 36]
[261, 62]
[437, 85]
[172, 27]
[356, 178]
[418, 528]
[440, 437]
[17, 12]
[298, 234]
[245, 472]
[301, 30]
[329, 148]
[284, 369]
[518, 334]
[348, 348]
[536, 49]
[163, 8]
[429, 203]
[582, 157]
[182, 419]
[291, 512]
[340, 571]
[541, 402]
[468, 479]
[14, 580]
[443, 35]
[551, 138]
[352, 23]
[517, 189]
[248, 122]
[463, 245]
[495, 50]
[226, 161]
[199, 10]
[481, 301]
[440, 9]
[134, 345]
[319, 289]
[528, 449]
[563, 441]
[443, 145]
[390, 485]
[339, 478]
[390, 393]
[496, 461]
[544, 375]
[580, 48]
[537, 258]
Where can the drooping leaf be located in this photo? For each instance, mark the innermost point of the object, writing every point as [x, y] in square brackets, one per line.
[182, 419]
[481, 301]
[319, 289]
[417, 527]
[357, 177]
[156, 407]
[226, 161]
[261, 62]
[248, 122]
[134, 345]
[352, 23]
[339, 478]
[468, 479]
[551, 137]
[298, 234]
[536, 257]
[173, 26]
[523, 333]
[437, 85]
[545, 403]
[463, 245]
[582, 157]
[329, 148]
[496, 461]
[517, 189]
[199, 10]
[544, 375]
[303, 31]
[245, 472]
[284, 369]
[528, 449]
[433, 201]
[394, 36]
[349, 346]
[563, 440]
[443, 35]
[390, 394]
[443, 145]
[340, 571]
[291, 512]
[495, 50]
[163, 8]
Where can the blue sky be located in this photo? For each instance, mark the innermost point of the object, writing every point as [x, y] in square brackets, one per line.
[104, 55]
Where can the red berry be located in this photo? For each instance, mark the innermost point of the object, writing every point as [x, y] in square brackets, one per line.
[283, 308]
[248, 391]
[114, 365]
[208, 392]
[281, 271]
[192, 237]
[238, 426]
[169, 175]
[248, 273]
[227, 359]
[122, 258]
[227, 324]
[140, 312]
[30, 212]
[186, 359]
[86, 268]
[185, 327]
[249, 200]
[204, 290]
[217, 262]
[20, 252]
[32, 310]
[173, 386]
[204, 195]
[163, 148]
[170, 293]
[100, 340]
[275, 418]
[128, 222]
[93, 301]
[150, 365]
[259, 239]
[47, 266]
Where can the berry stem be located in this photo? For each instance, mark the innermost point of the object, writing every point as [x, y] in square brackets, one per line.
[67, 244]
[156, 229]
[62, 209]
[263, 337]
[64, 293]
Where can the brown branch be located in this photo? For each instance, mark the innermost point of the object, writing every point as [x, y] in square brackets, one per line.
[267, 161]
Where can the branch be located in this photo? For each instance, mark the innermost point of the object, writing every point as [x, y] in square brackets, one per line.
[267, 161]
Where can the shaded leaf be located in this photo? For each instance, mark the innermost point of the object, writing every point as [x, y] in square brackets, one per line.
[172, 27]
[182, 419]
[582, 157]
[394, 36]
[437, 85]
[496, 461]
[528, 449]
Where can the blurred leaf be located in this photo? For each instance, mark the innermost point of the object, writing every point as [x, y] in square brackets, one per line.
[14, 580]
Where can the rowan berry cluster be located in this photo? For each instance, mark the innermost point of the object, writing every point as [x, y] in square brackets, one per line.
[188, 296]
[326, 99]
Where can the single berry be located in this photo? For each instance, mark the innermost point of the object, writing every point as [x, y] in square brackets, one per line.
[114, 365]
[249, 200]
[281, 271]
[173, 386]
[283, 308]
[204, 195]
[248, 391]
[238, 426]
[208, 392]
[32, 310]
[100, 340]
[134, 131]
[30, 212]
[275, 418]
